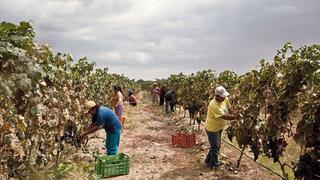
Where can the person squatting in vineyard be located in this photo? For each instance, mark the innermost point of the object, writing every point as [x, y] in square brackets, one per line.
[118, 103]
[163, 91]
[155, 93]
[103, 117]
[170, 100]
[132, 99]
[219, 110]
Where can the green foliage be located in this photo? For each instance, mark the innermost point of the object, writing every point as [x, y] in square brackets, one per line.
[40, 92]
[189, 88]
[266, 100]
[62, 170]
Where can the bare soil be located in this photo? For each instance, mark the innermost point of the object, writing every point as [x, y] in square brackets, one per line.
[147, 140]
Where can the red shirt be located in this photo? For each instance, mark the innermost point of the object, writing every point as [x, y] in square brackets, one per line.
[132, 99]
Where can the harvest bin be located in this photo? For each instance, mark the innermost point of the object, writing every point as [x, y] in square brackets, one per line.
[112, 165]
[183, 140]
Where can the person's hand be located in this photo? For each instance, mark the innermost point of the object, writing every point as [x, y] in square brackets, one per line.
[235, 116]
[116, 105]
[86, 114]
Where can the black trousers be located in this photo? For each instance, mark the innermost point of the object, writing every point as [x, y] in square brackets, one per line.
[161, 100]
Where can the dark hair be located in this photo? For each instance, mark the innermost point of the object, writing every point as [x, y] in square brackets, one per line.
[130, 93]
[117, 88]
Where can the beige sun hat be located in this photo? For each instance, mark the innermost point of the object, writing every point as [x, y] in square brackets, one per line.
[88, 105]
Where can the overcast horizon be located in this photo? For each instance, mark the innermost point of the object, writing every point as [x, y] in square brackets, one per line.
[148, 39]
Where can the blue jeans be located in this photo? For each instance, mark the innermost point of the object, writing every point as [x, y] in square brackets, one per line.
[112, 142]
[215, 143]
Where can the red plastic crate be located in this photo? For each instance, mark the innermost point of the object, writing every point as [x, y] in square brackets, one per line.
[183, 140]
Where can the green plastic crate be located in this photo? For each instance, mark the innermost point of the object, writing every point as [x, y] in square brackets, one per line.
[112, 165]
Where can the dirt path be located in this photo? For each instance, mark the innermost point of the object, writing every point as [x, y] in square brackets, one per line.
[147, 140]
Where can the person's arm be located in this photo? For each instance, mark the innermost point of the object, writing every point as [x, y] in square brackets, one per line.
[134, 99]
[119, 99]
[219, 112]
[229, 116]
[91, 129]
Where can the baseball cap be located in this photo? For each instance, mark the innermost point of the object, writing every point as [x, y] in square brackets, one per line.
[221, 91]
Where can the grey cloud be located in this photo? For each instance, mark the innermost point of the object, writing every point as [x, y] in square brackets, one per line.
[153, 39]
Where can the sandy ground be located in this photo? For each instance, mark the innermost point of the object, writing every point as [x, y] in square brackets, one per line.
[147, 140]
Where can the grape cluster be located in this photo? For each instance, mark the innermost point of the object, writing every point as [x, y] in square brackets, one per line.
[277, 147]
[71, 135]
[308, 166]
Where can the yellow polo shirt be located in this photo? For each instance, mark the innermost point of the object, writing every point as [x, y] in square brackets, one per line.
[216, 109]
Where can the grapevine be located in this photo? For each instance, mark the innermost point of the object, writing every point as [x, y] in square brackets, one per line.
[42, 92]
[267, 100]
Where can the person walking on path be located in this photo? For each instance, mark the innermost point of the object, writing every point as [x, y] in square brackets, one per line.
[163, 91]
[155, 93]
[118, 103]
[170, 100]
[103, 117]
[219, 111]
[132, 99]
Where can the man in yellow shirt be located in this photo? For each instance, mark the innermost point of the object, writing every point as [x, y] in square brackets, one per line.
[219, 111]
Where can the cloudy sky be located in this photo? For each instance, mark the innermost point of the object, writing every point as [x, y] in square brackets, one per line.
[155, 38]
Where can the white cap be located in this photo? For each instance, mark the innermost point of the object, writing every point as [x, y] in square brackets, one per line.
[221, 91]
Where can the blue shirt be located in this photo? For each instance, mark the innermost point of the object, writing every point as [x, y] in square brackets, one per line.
[107, 118]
